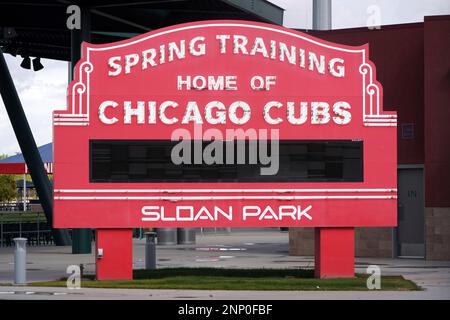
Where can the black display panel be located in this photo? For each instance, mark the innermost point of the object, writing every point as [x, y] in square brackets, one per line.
[136, 161]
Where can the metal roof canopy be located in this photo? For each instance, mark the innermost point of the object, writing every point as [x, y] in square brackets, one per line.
[16, 164]
[38, 28]
[45, 151]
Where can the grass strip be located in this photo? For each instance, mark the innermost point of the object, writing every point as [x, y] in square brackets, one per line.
[239, 279]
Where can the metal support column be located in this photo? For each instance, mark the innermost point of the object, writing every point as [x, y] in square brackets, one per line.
[322, 15]
[334, 252]
[328, 263]
[81, 238]
[29, 149]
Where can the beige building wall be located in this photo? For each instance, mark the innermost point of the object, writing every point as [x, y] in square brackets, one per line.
[437, 233]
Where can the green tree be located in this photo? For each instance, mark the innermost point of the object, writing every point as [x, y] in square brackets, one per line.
[8, 187]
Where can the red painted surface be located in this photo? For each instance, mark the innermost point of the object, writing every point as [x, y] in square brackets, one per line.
[117, 260]
[437, 111]
[78, 203]
[334, 252]
[119, 205]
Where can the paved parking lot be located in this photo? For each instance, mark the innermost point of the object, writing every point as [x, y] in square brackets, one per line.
[244, 249]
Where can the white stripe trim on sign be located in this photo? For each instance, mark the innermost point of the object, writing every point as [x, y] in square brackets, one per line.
[380, 124]
[70, 120]
[70, 115]
[385, 120]
[223, 198]
[232, 24]
[217, 190]
[71, 123]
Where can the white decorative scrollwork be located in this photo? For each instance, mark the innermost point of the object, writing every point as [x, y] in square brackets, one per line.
[79, 106]
[372, 111]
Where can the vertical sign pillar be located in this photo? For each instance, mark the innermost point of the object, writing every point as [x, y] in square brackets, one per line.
[334, 252]
[114, 254]
[81, 237]
[334, 247]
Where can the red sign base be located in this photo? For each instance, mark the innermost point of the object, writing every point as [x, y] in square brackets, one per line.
[231, 80]
[114, 254]
[334, 252]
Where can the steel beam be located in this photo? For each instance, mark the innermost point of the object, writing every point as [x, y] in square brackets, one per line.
[81, 238]
[29, 149]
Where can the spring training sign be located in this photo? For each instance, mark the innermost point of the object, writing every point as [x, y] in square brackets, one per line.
[224, 124]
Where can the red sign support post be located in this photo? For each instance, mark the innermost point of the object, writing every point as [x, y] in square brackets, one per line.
[316, 105]
[114, 254]
[334, 252]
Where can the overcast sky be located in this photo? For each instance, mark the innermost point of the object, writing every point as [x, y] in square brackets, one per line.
[353, 13]
[44, 91]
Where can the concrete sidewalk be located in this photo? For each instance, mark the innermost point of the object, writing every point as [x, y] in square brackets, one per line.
[39, 293]
[245, 249]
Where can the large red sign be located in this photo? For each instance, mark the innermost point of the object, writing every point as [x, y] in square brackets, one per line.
[224, 80]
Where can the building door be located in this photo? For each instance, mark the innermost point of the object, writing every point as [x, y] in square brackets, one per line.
[410, 230]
